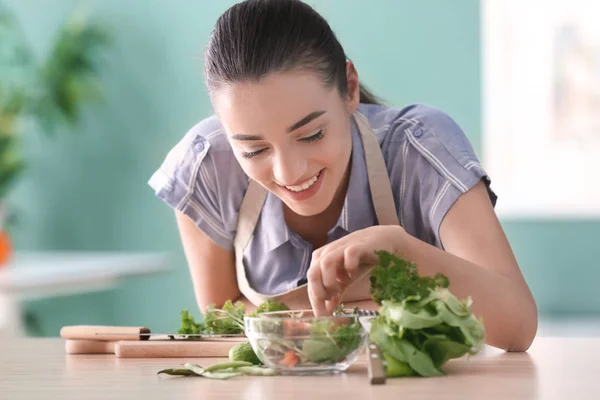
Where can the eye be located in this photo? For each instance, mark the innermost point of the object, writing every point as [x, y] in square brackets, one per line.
[313, 138]
[252, 153]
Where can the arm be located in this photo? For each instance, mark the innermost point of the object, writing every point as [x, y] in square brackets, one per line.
[480, 263]
[213, 270]
[212, 267]
[477, 260]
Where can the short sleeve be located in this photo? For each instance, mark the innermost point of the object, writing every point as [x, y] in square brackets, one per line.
[441, 165]
[187, 181]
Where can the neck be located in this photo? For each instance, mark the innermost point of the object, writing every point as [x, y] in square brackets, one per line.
[314, 228]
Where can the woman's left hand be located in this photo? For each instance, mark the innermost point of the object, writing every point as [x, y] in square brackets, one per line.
[336, 265]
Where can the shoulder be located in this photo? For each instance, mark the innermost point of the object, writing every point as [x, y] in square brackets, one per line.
[430, 162]
[203, 149]
[416, 121]
[421, 136]
[201, 177]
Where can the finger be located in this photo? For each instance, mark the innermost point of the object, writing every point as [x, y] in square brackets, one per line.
[342, 243]
[318, 253]
[318, 305]
[334, 246]
[343, 278]
[332, 305]
[352, 256]
[315, 283]
[316, 291]
[329, 266]
[369, 256]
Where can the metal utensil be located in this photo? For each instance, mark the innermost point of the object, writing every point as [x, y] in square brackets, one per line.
[375, 366]
[179, 336]
[151, 348]
[116, 333]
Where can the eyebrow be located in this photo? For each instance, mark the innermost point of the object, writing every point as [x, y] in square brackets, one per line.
[297, 125]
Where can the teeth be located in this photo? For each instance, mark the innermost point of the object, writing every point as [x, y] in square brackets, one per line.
[305, 185]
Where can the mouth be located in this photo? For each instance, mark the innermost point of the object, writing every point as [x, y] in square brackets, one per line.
[305, 185]
[306, 189]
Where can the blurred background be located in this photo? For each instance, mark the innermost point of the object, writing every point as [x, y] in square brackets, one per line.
[106, 97]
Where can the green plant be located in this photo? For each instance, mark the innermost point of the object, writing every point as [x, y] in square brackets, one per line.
[421, 324]
[49, 91]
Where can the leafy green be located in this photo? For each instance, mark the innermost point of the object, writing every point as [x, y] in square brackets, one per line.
[320, 350]
[421, 324]
[223, 370]
[227, 320]
[270, 305]
[394, 345]
[398, 279]
[348, 338]
[189, 325]
[177, 372]
[329, 344]
[396, 368]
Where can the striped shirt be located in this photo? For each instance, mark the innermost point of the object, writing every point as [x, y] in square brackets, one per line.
[429, 160]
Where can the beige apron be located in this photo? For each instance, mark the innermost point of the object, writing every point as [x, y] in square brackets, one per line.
[381, 193]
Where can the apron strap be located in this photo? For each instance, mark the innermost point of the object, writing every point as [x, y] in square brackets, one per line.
[249, 212]
[247, 218]
[379, 180]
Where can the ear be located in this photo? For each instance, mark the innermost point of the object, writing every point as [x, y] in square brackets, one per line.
[353, 96]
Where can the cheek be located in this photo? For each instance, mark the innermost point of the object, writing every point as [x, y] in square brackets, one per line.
[336, 151]
[329, 154]
[259, 170]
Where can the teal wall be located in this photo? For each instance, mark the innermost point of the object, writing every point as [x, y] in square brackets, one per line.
[88, 191]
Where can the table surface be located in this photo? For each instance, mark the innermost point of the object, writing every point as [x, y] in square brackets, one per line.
[554, 368]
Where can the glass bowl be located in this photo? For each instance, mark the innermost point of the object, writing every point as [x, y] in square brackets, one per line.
[297, 342]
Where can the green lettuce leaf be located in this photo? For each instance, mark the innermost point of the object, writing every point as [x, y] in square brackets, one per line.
[421, 324]
[402, 350]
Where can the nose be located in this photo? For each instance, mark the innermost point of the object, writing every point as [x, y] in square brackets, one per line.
[289, 168]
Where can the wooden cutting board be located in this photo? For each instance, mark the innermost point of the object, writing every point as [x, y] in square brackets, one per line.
[153, 349]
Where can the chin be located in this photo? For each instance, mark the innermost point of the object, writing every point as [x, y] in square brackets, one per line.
[306, 210]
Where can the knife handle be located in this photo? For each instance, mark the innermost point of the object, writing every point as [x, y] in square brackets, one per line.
[74, 346]
[375, 368]
[106, 333]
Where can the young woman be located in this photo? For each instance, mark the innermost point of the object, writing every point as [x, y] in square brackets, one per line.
[288, 191]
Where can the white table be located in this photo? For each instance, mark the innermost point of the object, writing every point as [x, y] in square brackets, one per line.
[47, 274]
[553, 369]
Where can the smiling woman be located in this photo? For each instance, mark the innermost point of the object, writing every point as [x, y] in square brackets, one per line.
[300, 176]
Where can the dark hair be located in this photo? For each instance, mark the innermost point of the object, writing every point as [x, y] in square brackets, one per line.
[257, 37]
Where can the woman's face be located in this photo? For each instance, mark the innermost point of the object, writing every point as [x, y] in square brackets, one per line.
[291, 134]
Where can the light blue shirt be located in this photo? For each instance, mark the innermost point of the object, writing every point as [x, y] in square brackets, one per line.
[428, 157]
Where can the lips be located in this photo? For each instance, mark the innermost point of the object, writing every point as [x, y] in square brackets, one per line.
[305, 185]
[307, 189]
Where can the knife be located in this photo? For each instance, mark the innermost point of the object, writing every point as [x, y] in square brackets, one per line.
[117, 333]
[375, 367]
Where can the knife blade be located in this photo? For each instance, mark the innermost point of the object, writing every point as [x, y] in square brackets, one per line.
[175, 336]
[116, 333]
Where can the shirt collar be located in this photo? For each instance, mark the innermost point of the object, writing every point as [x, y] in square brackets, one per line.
[273, 229]
[357, 212]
